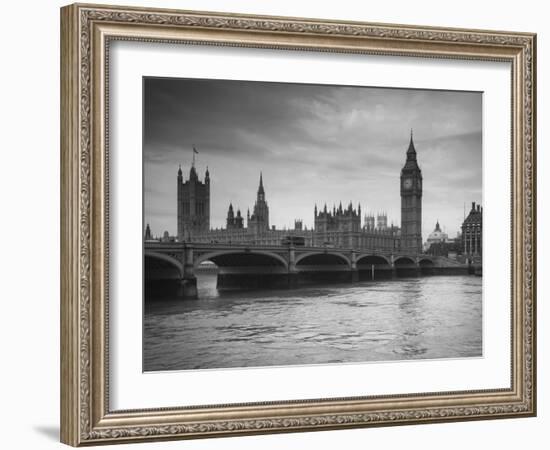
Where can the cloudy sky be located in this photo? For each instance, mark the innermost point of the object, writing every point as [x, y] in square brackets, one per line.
[314, 144]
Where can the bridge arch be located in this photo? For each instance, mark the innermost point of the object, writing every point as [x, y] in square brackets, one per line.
[374, 267]
[426, 266]
[161, 265]
[405, 266]
[372, 259]
[404, 260]
[425, 259]
[246, 269]
[324, 267]
[322, 258]
[236, 257]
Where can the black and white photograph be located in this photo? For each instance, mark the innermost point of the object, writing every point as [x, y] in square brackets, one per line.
[294, 224]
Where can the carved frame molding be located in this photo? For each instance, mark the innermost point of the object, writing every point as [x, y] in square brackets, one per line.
[86, 31]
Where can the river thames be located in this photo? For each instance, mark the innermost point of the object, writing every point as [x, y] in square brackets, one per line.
[404, 319]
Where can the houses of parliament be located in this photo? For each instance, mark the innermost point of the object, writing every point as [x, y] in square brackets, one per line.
[333, 227]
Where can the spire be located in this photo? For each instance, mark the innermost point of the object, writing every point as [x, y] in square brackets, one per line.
[411, 151]
[261, 187]
[437, 228]
[179, 171]
[193, 174]
[230, 221]
[230, 214]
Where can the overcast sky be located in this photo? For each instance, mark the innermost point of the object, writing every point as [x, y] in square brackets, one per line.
[314, 144]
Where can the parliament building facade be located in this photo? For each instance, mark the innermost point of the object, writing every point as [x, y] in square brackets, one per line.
[336, 227]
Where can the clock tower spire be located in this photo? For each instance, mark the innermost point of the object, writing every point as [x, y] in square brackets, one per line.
[411, 203]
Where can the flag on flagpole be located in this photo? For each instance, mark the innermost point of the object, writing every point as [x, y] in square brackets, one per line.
[195, 152]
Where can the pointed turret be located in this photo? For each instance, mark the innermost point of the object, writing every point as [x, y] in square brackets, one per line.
[207, 176]
[261, 187]
[411, 151]
[193, 174]
[239, 221]
[230, 221]
[148, 235]
[259, 221]
[411, 162]
[261, 191]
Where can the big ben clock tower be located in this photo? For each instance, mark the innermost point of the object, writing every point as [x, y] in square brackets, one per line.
[411, 203]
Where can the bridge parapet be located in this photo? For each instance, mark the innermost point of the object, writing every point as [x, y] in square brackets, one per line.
[201, 248]
[284, 265]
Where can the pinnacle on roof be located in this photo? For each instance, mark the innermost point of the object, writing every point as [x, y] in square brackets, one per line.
[411, 151]
[261, 187]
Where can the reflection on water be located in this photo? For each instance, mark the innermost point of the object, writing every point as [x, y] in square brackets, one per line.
[419, 318]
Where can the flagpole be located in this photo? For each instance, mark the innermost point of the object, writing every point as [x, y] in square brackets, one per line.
[195, 152]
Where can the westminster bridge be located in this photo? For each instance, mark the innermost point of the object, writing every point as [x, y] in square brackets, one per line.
[260, 266]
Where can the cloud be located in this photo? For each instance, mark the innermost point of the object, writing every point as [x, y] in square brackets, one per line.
[314, 143]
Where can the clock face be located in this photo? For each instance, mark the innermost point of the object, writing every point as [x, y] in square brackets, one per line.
[407, 183]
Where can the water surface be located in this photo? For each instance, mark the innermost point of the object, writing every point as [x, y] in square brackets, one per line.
[416, 318]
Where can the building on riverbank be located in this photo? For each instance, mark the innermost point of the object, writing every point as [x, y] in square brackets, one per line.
[337, 227]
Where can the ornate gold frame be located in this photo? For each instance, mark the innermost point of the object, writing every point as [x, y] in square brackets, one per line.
[86, 31]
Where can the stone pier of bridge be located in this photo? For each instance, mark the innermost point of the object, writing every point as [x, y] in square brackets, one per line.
[189, 280]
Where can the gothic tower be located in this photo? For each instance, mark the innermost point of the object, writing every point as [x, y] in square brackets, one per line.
[259, 222]
[234, 222]
[230, 221]
[411, 203]
[193, 204]
[180, 204]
